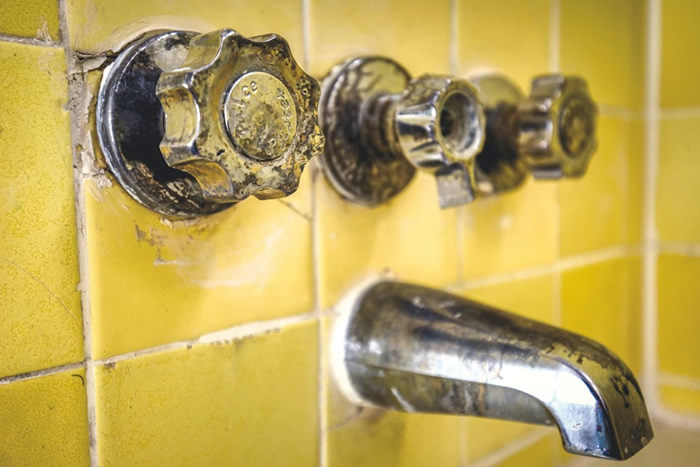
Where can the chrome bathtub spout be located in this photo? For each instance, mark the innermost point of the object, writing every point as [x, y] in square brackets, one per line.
[414, 349]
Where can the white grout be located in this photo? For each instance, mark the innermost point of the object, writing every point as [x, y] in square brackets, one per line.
[679, 381]
[453, 47]
[679, 113]
[306, 32]
[619, 112]
[460, 213]
[512, 448]
[29, 41]
[561, 265]
[681, 249]
[554, 67]
[231, 334]
[39, 373]
[554, 35]
[649, 293]
[675, 419]
[77, 87]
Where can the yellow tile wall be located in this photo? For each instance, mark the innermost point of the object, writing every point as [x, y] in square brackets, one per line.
[676, 215]
[206, 341]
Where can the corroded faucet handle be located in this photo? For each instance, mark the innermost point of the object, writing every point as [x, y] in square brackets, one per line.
[558, 127]
[381, 126]
[240, 116]
[440, 128]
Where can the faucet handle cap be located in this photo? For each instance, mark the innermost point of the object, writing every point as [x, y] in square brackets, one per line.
[558, 127]
[240, 116]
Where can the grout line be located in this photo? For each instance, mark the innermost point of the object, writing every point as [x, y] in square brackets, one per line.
[460, 214]
[679, 381]
[306, 32]
[29, 41]
[680, 249]
[512, 448]
[561, 265]
[453, 48]
[234, 333]
[554, 67]
[681, 112]
[77, 87]
[675, 419]
[45, 372]
[323, 345]
[649, 297]
[554, 35]
[620, 112]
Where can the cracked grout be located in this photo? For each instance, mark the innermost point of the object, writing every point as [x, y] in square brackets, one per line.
[30, 41]
[77, 92]
[232, 334]
[39, 373]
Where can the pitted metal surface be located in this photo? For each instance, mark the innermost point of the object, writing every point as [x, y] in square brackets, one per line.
[415, 349]
[193, 123]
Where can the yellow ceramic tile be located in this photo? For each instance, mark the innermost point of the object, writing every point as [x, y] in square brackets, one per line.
[155, 281]
[680, 41]
[604, 41]
[43, 421]
[596, 302]
[634, 163]
[301, 200]
[410, 236]
[412, 32]
[512, 231]
[678, 185]
[681, 399]
[487, 436]
[679, 321]
[540, 454]
[393, 439]
[532, 297]
[248, 402]
[593, 208]
[40, 321]
[100, 25]
[30, 18]
[508, 36]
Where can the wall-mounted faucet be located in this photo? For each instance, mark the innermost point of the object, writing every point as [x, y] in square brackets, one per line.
[381, 125]
[191, 123]
[413, 349]
[551, 133]
[477, 138]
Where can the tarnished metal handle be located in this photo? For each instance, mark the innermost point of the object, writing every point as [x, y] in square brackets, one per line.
[551, 133]
[381, 126]
[240, 116]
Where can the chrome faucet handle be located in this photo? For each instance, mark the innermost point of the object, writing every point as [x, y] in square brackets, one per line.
[381, 126]
[551, 133]
[440, 127]
[558, 127]
[240, 116]
[190, 123]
